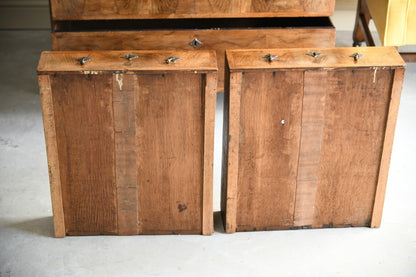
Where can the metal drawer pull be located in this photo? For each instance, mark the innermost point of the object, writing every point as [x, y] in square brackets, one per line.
[314, 54]
[129, 57]
[83, 60]
[356, 56]
[270, 57]
[195, 43]
[172, 60]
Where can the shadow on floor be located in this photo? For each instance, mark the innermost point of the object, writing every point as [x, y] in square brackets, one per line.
[40, 226]
[218, 224]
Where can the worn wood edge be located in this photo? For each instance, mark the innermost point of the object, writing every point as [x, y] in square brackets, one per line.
[202, 61]
[210, 93]
[291, 62]
[233, 151]
[387, 147]
[322, 13]
[52, 155]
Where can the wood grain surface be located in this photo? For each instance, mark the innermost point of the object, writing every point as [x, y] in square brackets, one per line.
[344, 120]
[52, 153]
[298, 58]
[218, 40]
[396, 91]
[170, 147]
[133, 9]
[313, 117]
[131, 150]
[105, 61]
[356, 110]
[85, 139]
[270, 125]
[124, 86]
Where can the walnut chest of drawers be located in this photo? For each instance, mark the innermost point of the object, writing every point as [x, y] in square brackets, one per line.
[308, 136]
[129, 140]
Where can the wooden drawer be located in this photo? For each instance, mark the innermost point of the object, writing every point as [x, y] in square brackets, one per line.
[217, 35]
[135, 9]
[308, 140]
[129, 143]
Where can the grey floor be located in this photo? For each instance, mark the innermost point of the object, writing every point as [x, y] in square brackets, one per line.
[27, 246]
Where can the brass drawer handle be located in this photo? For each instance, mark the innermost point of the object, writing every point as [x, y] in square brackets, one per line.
[172, 60]
[356, 56]
[83, 60]
[314, 54]
[195, 43]
[129, 57]
[270, 57]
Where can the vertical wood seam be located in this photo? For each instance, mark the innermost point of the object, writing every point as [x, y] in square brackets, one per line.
[52, 155]
[396, 89]
[300, 148]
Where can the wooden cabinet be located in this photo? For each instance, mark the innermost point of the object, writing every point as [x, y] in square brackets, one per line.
[198, 34]
[129, 141]
[308, 136]
[136, 9]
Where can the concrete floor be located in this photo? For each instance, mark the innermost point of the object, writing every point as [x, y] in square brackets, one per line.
[27, 246]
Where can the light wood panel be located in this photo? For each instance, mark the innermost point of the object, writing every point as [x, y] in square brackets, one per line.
[298, 58]
[336, 174]
[270, 124]
[170, 153]
[85, 139]
[129, 151]
[133, 9]
[52, 152]
[356, 110]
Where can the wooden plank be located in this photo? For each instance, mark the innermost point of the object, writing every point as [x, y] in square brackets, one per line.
[66, 61]
[393, 110]
[233, 141]
[52, 153]
[125, 153]
[270, 125]
[218, 40]
[170, 149]
[131, 9]
[85, 142]
[352, 140]
[330, 57]
[210, 94]
[313, 107]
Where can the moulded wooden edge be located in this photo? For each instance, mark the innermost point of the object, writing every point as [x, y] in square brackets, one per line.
[387, 147]
[295, 58]
[110, 61]
[52, 155]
